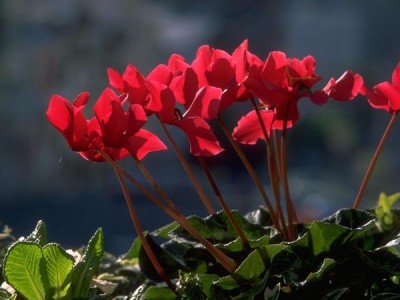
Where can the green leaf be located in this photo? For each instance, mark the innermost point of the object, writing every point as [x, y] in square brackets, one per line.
[350, 218]
[324, 235]
[39, 234]
[252, 267]
[84, 270]
[384, 212]
[165, 231]
[207, 282]
[315, 276]
[274, 249]
[248, 271]
[134, 250]
[272, 294]
[58, 265]
[156, 293]
[169, 261]
[24, 269]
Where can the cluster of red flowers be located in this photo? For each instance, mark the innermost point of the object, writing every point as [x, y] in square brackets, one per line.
[189, 95]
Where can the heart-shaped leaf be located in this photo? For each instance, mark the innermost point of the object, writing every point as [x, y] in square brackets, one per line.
[58, 265]
[24, 269]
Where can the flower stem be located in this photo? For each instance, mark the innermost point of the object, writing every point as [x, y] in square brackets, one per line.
[251, 171]
[289, 204]
[223, 203]
[206, 202]
[272, 169]
[167, 209]
[228, 263]
[146, 246]
[374, 159]
[155, 185]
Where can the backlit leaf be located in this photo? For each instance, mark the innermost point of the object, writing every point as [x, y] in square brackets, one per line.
[24, 270]
[58, 265]
[84, 270]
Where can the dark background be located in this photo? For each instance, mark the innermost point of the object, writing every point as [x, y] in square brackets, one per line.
[64, 47]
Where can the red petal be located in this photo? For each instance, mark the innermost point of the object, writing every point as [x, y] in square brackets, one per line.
[135, 85]
[249, 130]
[391, 93]
[286, 114]
[347, 86]
[142, 143]
[206, 103]
[60, 113]
[161, 74]
[185, 87]
[221, 74]
[377, 100]
[162, 101]
[201, 63]
[115, 80]
[239, 60]
[69, 120]
[177, 64]
[137, 118]
[274, 71]
[201, 137]
[396, 77]
[319, 97]
[112, 118]
[81, 100]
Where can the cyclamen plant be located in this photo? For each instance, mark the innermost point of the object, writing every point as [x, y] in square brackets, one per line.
[193, 96]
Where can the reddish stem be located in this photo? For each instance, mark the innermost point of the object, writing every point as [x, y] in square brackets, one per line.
[223, 203]
[228, 263]
[289, 204]
[155, 185]
[272, 169]
[146, 246]
[206, 202]
[251, 172]
[374, 159]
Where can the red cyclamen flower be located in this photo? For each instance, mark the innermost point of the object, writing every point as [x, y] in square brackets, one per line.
[280, 83]
[113, 130]
[158, 94]
[386, 95]
[346, 88]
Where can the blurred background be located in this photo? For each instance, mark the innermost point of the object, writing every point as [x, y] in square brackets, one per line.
[64, 47]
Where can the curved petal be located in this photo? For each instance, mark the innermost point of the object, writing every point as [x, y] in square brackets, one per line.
[59, 112]
[221, 74]
[391, 93]
[81, 100]
[249, 130]
[377, 100]
[396, 77]
[134, 85]
[142, 143]
[68, 120]
[347, 86]
[112, 118]
[201, 63]
[162, 101]
[136, 118]
[160, 73]
[115, 80]
[206, 103]
[177, 64]
[274, 71]
[201, 137]
[185, 87]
